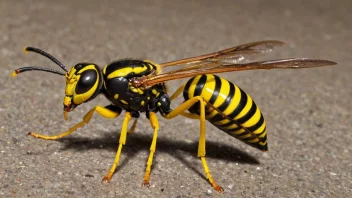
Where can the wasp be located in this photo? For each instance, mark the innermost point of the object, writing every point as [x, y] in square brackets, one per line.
[138, 86]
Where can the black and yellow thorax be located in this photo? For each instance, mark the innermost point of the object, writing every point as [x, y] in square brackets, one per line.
[120, 91]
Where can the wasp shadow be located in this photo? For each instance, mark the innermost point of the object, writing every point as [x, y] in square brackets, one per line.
[137, 142]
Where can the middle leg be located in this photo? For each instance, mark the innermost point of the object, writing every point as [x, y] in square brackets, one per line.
[122, 142]
[155, 124]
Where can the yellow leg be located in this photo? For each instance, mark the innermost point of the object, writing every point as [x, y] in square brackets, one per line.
[190, 115]
[122, 142]
[133, 127]
[202, 137]
[210, 178]
[178, 92]
[155, 124]
[107, 113]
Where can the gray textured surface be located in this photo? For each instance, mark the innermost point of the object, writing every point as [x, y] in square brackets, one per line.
[308, 112]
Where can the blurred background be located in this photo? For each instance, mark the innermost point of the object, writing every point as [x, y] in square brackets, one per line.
[307, 111]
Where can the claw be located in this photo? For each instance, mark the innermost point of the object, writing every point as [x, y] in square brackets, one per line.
[219, 189]
[146, 183]
[106, 179]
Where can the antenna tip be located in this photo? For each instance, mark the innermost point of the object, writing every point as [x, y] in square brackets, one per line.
[14, 73]
[25, 50]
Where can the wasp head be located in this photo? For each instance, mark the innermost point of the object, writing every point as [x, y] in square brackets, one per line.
[83, 83]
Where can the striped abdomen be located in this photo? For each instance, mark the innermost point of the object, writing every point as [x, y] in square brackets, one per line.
[235, 112]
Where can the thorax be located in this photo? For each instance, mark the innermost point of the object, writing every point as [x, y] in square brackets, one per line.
[119, 90]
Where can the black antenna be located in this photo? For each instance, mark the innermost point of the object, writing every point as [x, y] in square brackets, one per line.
[24, 69]
[41, 52]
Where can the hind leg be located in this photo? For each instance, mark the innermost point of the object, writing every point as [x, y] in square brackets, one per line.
[202, 137]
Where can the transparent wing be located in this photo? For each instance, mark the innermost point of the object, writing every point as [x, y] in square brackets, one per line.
[228, 56]
[219, 67]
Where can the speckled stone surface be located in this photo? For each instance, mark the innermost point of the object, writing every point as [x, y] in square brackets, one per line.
[308, 112]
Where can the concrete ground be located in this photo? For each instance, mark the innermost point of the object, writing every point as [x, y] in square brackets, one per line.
[308, 112]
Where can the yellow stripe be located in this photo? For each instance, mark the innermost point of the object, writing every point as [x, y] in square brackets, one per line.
[253, 120]
[253, 140]
[245, 136]
[86, 68]
[246, 108]
[239, 132]
[262, 143]
[208, 88]
[222, 122]
[80, 98]
[260, 129]
[127, 70]
[263, 134]
[193, 86]
[124, 102]
[233, 126]
[223, 93]
[234, 102]
[158, 68]
[104, 70]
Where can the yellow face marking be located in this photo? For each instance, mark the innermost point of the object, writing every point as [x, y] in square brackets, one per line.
[71, 82]
[159, 104]
[142, 103]
[80, 98]
[116, 96]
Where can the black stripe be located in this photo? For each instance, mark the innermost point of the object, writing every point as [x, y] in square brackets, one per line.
[240, 106]
[263, 139]
[216, 90]
[227, 124]
[258, 124]
[186, 89]
[229, 98]
[200, 85]
[249, 114]
[216, 118]
[233, 130]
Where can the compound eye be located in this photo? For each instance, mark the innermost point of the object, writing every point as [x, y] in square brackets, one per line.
[86, 81]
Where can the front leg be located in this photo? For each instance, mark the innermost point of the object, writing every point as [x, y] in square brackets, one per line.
[109, 111]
